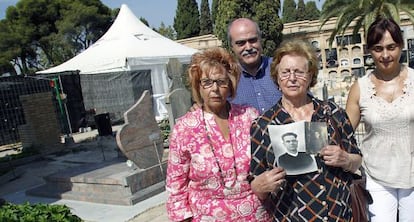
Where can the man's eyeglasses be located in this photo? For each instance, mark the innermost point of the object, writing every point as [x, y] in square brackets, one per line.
[298, 74]
[242, 42]
[207, 83]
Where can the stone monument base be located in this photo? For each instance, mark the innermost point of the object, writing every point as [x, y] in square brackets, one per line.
[111, 182]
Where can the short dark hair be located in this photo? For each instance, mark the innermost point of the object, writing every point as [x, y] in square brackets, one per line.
[289, 134]
[378, 28]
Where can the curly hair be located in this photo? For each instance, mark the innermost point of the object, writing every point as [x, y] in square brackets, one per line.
[206, 62]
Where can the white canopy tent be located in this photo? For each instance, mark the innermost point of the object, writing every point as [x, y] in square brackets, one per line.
[129, 45]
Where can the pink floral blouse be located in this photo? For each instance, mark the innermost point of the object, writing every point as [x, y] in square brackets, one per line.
[207, 177]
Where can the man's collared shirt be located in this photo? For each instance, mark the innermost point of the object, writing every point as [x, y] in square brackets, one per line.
[258, 91]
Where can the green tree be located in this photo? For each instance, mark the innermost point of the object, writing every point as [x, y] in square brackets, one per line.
[264, 12]
[143, 20]
[300, 11]
[23, 29]
[214, 9]
[206, 25]
[363, 12]
[9, 48]
[289, 11]
[227, 11]
[311, 11]
[82, 22]
[270, 24]
[42, 33]
[186, 20]
[167, 31]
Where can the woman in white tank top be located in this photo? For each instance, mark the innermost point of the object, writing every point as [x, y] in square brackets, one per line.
[384, 101]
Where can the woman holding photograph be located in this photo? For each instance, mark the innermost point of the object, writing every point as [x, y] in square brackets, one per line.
[209, 156]
[322, 195]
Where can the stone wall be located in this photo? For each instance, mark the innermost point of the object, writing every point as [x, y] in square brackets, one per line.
[42, 129]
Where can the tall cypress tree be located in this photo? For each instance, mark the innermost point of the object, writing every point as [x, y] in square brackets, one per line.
[206, 25]
[227, 11]
[289, 11]
[214, 8]
[311, 11]
[270, 24]
[186, 20]
[300, 11]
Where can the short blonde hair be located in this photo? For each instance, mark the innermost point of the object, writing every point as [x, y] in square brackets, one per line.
[300, 48]
[205, 62]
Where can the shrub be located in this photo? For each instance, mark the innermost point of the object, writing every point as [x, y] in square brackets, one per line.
[37, 213]
[165, 129]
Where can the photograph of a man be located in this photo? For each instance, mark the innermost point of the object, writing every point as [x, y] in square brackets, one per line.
[293, 161]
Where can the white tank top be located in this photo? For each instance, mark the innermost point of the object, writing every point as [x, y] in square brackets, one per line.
[388, 145]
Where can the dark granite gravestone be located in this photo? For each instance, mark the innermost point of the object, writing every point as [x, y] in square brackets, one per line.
[179, 99]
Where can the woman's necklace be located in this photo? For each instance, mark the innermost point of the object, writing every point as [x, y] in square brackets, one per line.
[222, 176]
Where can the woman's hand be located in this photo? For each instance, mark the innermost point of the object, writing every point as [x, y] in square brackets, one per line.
[269, 181]
[333, 155]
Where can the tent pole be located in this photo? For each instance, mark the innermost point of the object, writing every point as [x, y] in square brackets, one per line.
[66, 108]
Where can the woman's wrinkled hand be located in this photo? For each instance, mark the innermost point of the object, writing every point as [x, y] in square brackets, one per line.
[269, 181]
[333, 155]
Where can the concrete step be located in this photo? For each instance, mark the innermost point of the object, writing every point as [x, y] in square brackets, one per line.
[110, 182]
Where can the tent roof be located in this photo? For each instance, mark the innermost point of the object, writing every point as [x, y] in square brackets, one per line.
[128, 42]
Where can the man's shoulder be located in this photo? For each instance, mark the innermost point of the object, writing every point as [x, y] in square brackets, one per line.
[266, 60]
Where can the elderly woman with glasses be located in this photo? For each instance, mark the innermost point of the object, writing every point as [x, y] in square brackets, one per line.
[209, 155]
[322, 194]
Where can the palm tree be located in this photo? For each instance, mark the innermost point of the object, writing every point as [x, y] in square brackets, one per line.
[363, 12]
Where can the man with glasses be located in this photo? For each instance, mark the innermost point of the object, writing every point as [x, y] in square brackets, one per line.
[256, 88]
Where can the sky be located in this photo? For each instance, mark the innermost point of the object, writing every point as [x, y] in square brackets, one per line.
[154, 11]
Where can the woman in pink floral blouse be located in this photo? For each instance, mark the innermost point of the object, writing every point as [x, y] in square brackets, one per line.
[209, 155]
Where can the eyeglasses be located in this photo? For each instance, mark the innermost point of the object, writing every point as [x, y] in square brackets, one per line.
[298, 74]
[207, 83]
[242, 42]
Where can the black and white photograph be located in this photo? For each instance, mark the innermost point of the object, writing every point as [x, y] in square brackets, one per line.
[316, 137]
[289, 145]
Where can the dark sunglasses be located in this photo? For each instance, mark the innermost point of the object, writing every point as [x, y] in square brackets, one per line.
[244, 41]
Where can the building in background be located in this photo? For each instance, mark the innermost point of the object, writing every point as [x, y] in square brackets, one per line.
[201, 42]
[339, 65]
[347, 58]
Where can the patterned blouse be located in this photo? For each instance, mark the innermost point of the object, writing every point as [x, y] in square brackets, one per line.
[207, 173]
[322, 195]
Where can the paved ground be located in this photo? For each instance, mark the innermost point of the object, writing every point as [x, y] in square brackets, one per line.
[14, 184]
